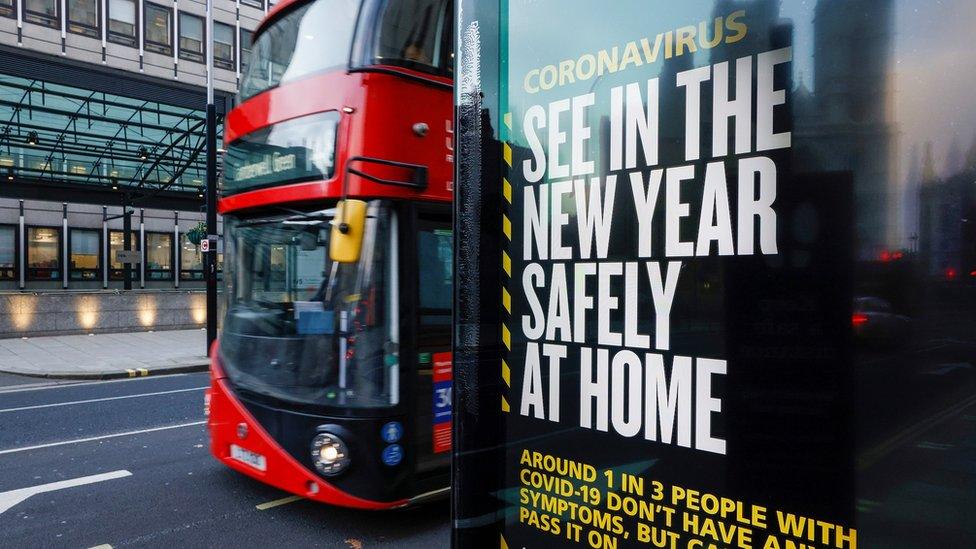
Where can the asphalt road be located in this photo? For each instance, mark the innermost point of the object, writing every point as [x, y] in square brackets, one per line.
[125, 463]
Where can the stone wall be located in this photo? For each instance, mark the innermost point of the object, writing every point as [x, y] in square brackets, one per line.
[79, 312]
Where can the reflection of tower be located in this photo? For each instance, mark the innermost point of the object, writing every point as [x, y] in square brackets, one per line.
[847, 126]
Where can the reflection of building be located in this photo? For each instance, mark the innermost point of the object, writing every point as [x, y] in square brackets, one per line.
[844, 122]
[947, 216]
[102, 105]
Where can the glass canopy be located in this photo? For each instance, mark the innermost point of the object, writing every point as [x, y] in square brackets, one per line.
[64, 134]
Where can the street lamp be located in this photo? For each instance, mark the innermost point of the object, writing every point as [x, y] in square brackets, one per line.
[143, 153]
[32, 138]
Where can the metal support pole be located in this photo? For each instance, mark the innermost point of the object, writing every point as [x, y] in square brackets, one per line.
[65, 243]
[126, 241]
[142, 248]
[210, 258]
[23, 243]
[106, 248]
[177, 250]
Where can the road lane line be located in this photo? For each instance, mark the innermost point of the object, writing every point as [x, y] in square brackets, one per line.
[872, 456]
[39, 406]
[103, 437]
[12, 497]
[283, 501]
[64, 384]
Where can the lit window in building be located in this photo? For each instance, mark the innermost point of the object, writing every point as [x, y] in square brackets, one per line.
[224, 46]
[43, 253]
[122, 22]
[159, 29]
[159, 256]
[191, 37]
[42, 12]
[8, 8]
[8, 252]
[191, 260]
[83, 259]
[245, 48]
[83, 17]
[116, 243]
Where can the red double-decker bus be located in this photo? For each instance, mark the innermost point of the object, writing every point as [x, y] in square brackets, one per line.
[331, 378]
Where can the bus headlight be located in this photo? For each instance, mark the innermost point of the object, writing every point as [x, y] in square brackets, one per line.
[329, 454]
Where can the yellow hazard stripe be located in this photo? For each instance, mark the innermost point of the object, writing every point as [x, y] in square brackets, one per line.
[507, 190]
[506, 300]
[507, 153]
[508, 120]
[506, 373]
[507, 226]
[506, 263]
[507, 337]
[505, 408]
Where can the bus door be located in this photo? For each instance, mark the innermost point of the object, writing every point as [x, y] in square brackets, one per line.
[434, 252]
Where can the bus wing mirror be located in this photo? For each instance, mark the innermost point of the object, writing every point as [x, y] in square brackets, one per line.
[346, 239]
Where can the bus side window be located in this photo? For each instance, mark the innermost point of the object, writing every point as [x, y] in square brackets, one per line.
[435, 249]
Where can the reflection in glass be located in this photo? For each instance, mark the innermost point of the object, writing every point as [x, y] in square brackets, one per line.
[8, 259]
[223, 44]
[412, 33]
[122, 21]
[84, 254]
[191, 37]
[43, 253]
[42, 12]
[159, 36]
[323, 28]
[159, 256]
[289, 304]
[83, 17]
[116, 243]
[191, 260]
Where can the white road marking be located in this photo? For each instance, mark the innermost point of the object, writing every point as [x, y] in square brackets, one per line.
[63, 384]
[103, 437]
[13, 497]
[283, 501]
[38, 406]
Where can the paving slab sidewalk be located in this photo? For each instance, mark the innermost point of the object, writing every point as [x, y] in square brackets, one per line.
[106, 356]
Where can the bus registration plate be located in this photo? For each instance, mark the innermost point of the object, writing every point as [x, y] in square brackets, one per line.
[248, 457]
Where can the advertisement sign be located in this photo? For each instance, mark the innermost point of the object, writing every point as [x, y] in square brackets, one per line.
[443, 383]
[655, 281]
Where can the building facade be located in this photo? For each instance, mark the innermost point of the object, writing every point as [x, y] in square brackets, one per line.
[102, 132]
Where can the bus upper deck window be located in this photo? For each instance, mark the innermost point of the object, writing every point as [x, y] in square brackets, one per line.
[415, 34]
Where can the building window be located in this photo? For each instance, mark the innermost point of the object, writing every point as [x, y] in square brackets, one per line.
[245, 48]
[122, 22]
[8, 8]
[224, 46]
[159, 29]
[191, 38]
[259, 4]
[83, 259]
[8, 252]
[191, 260]
[43, 12]
[116, 243]
[159, 256]
[43, 253]
[83, 17]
